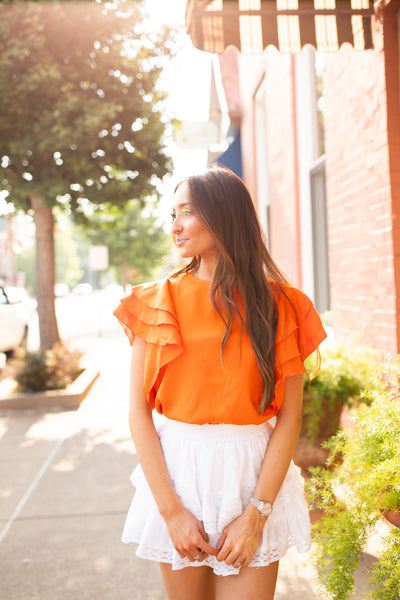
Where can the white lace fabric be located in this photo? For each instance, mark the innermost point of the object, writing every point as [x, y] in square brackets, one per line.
[214, 470]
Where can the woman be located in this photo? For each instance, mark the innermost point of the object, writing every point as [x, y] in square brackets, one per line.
[218, 348]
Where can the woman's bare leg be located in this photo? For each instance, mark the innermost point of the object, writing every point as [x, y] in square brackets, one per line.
[191, 583]
[251, 584]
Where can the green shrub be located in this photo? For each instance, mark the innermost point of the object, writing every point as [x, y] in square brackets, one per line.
[44, 370]
[345, 372]
[358, 491]
[345, 379]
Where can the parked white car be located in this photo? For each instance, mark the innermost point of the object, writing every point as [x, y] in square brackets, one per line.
[61, 290]
[19, 294]
[14, 323]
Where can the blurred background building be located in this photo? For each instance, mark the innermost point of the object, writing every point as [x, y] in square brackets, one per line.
[315, 134]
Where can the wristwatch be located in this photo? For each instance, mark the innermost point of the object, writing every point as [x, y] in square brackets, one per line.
[265, 508]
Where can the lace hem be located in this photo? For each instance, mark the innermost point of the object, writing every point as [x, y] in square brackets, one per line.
[219, 568]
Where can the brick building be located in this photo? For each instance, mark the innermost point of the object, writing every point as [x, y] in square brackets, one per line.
[320, 142]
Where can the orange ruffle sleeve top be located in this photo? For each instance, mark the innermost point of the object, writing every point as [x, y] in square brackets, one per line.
[184, 376]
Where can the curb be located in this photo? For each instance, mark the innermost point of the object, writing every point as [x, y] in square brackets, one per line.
[69, 399]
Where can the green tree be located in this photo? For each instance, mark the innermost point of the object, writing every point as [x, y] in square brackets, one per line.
[137, 242]
[81, 121]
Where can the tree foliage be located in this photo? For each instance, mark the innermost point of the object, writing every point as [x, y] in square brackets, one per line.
[137, 243]
[81, 117]
[80, 113]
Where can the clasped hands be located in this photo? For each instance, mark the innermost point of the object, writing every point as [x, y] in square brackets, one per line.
[236, 546]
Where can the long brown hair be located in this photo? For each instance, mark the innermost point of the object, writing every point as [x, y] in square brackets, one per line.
[244, 268]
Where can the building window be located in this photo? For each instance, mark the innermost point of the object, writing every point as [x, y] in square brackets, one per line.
[310, 108]
[319, 236]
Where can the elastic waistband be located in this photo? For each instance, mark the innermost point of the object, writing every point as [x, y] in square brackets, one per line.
[218, 432]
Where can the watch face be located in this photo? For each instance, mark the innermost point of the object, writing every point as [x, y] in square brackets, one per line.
[266, 509]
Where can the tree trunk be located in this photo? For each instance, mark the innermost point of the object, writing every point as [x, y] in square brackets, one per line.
[45, 273]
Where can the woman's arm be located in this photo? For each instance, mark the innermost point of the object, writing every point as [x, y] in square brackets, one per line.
[241, 538]
[187, 533]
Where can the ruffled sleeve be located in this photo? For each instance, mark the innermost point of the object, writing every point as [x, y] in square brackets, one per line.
[148, 312]
[299, 331]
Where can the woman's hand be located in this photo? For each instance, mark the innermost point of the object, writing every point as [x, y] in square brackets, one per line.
[241, 538]
[188, 535]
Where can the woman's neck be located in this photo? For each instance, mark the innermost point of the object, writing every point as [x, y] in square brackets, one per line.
[206, 269]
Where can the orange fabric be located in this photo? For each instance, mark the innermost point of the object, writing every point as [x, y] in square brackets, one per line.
[184, 376]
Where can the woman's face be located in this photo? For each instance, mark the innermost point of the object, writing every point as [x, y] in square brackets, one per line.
[189, 233]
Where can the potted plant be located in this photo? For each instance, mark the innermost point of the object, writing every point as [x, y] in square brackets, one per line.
[344, 379]
[363, 488]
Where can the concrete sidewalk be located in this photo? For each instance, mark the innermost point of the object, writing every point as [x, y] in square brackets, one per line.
[66, 490]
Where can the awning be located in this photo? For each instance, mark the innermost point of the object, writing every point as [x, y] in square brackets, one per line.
[252, 25]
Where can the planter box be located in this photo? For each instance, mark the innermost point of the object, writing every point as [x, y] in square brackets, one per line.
[68, 399]
[325, 412]
[309, 455]
[393, 516]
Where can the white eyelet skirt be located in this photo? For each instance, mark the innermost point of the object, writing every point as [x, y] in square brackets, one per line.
[214, 470]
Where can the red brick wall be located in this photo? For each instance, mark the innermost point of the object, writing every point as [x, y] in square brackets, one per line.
[362, 278]
[276, 71]
[362, 137]
[391, 45]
